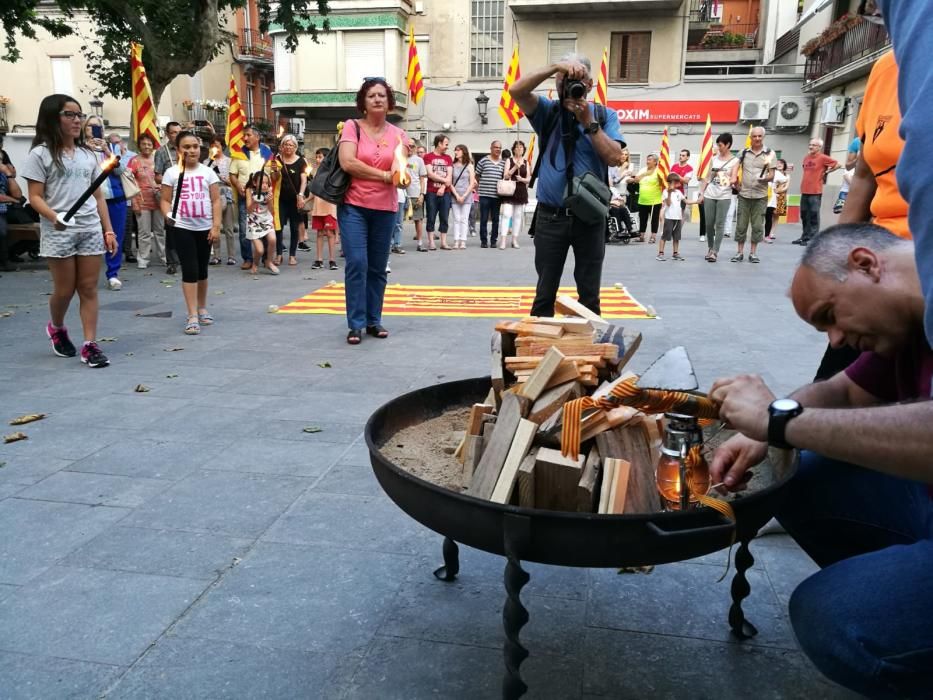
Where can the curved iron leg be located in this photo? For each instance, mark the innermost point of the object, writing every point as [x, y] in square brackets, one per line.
[451, 567]
[514, 614]
[741, 628]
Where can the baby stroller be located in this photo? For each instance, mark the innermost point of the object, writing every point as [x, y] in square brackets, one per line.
[620, 225]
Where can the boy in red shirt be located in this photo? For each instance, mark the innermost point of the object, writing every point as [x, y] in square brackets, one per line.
[816, 166]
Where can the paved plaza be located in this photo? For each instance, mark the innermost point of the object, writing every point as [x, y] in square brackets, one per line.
[193, 541]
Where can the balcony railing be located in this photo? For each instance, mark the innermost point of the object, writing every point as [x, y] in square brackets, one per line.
[254, 45]
[732, 36]
[858, 42]
[217, 117]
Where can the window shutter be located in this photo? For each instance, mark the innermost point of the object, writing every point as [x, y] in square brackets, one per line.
[631, 54]
[62, 80]
[560, 46]
[364, 56]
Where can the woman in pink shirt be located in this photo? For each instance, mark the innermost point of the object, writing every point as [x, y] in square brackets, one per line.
[367, 216]
[146, 204]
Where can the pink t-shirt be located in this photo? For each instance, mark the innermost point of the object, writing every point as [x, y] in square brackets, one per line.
[378, 154]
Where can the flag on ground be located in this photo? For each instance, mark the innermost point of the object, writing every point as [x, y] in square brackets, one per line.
[236, 122]
[508, 108]
[414, 79]
[664, 158]
[706, 150]
[144, 113]
[602, 80]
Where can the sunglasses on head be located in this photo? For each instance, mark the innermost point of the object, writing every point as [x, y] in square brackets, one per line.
[374, 78]
[68, 114]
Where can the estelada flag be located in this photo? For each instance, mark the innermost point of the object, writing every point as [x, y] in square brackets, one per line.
[144, 114]
[602, 80]
[414, 79]
[508, 108]
[664, 158]
[236, 122]
[706, 150]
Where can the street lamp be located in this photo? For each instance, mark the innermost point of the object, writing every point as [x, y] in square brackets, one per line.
[97, 105]
[482, 104]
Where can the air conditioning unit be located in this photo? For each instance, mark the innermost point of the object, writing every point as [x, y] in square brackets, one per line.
[754, 110]
[793, 112]
[833, 110]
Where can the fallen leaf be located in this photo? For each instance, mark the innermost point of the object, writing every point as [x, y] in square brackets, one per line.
[14, 437]
[128, 354]
[2, 465]
[173, 349]
[5, 314]
[171, 376]
[272, 309]
[307, 278]
[217, 294]
[28, 418]
[141, 389]
[312, 429]
[106, 340]
[325, 364]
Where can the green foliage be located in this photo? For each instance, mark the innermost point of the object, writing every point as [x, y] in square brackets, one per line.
[179, 36]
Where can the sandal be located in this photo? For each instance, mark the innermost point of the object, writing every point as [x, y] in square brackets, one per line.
[205, 318]
[213, 261]
[192, 327]
[292, 260]
[377, 331]
[678, 256]
[711, 258]
[354, 337]
[653, 239]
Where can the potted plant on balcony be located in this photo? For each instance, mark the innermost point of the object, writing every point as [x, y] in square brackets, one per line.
[834, 31]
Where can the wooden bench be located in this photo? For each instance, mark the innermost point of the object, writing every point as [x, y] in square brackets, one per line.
[22, 232]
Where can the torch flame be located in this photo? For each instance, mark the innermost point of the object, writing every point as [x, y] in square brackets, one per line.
[181, 161]
[401, 177]
[110, 163]
[308, 170]
[214, 152]
[281, 131]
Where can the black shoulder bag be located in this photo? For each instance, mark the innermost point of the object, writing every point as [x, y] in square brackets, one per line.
[331, 182]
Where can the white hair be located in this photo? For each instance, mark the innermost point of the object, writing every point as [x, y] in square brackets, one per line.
[818, 142]
[291, 139]
[577, 58]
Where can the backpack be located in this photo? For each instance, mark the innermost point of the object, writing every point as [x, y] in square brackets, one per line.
[331, 182]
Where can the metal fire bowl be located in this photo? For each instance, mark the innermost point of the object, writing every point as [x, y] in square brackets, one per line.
[561, 538]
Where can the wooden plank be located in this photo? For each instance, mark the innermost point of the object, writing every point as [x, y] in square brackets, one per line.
[521, 443]
[475, 422]
[497, 372]
[539, 329]
[609, 466]
[537, 382]
[556, 480]
[526, 481]
[472, 452]
[495, 453]
[570, 324]
[587, 489]
[565, 373]
[508, 326]
[552, 400]
[535, 347]
[620, 480]
[642, 495]
[626, 340]
[571, 307]
[492, 399]
[532, 360]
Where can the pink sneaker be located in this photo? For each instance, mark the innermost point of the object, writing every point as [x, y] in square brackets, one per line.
[61, 343]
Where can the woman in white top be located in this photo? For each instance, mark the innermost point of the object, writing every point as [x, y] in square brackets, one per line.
[716, 194]
[220, 164]
[777, 199]
[194, 215]
[58, 169]
[464, 182]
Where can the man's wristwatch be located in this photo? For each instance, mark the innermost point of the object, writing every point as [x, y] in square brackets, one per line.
[780, 413]
[592, 128]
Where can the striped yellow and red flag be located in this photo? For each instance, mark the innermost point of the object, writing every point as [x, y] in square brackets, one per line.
[508, 108]
[236, 122]
[706, 149]
[748, 137]
[664, 157]
[414, 78]
[602, 80]
[531, 151]
[144, 113]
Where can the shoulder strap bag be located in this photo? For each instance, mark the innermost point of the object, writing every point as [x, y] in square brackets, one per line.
[331, 182]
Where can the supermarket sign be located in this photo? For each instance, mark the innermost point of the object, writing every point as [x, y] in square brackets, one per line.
[675, 111]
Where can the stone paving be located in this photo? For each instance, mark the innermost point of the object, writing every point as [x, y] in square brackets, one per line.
[193, 542]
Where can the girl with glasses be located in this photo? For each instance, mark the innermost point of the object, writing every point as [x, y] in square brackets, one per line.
[58, 169]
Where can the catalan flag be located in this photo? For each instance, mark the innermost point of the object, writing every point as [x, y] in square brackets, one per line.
[414, 79]
[531, 152]
[508, 108]
[144, 113]
[664, 158]
[706, 150]
[602, 80]
[236, 122]
[748, 137]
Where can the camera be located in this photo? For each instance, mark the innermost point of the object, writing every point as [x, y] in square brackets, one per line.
[574, 89]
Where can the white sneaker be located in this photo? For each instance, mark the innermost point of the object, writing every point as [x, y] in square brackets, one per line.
[702, 239]
[142, 265]
[388, 269]
[114, 284]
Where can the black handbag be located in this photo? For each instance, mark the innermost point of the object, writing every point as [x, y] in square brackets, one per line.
[331, 182]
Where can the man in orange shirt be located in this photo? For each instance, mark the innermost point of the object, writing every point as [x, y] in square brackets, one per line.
[873, 194]
[816, 165]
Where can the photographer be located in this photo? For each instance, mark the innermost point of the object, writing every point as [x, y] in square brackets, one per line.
[590, 136]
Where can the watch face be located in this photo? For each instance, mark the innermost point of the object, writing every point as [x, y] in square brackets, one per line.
[785, 405]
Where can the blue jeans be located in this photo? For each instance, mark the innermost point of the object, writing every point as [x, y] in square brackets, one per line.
[246, 247]
[435, 206]
[399, 224]
[365, 235]
[866, 618]
[489, 207]
[117, 211]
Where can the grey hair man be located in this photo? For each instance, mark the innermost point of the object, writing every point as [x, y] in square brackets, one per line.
[816, 166]
[859, 503]
[594, 142]
[754, 169]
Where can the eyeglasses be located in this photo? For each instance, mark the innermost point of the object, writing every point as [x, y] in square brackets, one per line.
[374, 78]
[68, 114]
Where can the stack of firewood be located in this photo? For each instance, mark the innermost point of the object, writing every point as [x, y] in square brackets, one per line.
[511, 449]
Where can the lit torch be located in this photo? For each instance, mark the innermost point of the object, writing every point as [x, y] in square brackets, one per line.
[214, 152]
[105, 169]
[764, 169]
[281, 131]
[400, 177]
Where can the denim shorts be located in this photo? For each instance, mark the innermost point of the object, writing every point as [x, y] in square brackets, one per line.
[65, 244]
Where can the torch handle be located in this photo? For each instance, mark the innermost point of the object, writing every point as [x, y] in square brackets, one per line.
[98, 181]
[181, 180]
